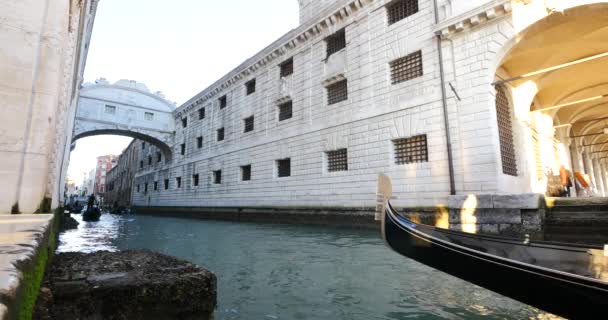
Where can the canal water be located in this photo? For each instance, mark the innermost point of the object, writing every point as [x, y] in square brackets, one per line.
[273, 271]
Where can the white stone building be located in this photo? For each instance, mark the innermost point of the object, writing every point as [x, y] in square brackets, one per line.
[42, 56]
[414, 89]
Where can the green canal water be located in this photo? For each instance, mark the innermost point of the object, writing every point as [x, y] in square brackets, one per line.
[273, 271]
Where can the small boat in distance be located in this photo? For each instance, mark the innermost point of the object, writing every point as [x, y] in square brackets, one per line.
[568, 280]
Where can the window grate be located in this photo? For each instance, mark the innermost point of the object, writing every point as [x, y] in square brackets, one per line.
[285, 110]
[141, 164]
[337, 92]
[166, 182]
[220, 134]
[184, 122]
[335, 42]
[182, 149]
[155, 185]
[246, 173]
[284, 168]
[159, 157]
[505, 132]
[337, 160]
[223, 102]
[410, 150]
[401, 9]
[217, 177]
[149, 160]
[145, 188]
[248, 122]
[178, 182]
[250, 85]
[149, 116]
[199, 142]
[110, 109]
[201, 113]
[406, 68]
[287, 68]
[195, 180]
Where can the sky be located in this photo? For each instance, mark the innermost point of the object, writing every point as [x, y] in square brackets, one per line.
[178, 47]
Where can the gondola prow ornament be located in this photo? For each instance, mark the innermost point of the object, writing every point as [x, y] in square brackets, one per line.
[384, 193]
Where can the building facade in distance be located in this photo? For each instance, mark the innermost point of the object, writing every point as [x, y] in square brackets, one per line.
[104, 165]
[120, 178]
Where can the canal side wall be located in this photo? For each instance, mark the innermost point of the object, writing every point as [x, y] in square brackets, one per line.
[362, 217]
[27, 243]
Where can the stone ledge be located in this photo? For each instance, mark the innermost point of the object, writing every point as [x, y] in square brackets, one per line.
[496, 201]
[23, 241]
[126, 285]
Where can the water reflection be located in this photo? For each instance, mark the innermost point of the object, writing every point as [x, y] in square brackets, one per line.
[270, 271]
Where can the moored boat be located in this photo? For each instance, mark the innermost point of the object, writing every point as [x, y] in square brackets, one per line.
[91, 214]
[569, 280]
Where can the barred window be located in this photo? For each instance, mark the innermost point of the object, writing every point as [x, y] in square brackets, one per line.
[166, 182]
[201, 113]
[195, 180]
[223, 102]
[220, 134]
[141, 164]
[143, 146]
[155, 185]
[182, 149]
[159, 157]
[285, 110]
[287, 68]
[149, 160]
[337, 160]
[149, 116]
[110, 109]
[335, 42]
[284, 167]
[145, 187]
[248, 122]
[217, 177]
[250, 85]
[199, 142]
[337, 92]
[138, 188]
[412, 149]
[401, 9]
[184, 122]
[246, 173]
[178, 182]
[406, 68]
[505, 132]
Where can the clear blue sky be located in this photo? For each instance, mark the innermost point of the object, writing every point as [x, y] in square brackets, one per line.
[178, 47]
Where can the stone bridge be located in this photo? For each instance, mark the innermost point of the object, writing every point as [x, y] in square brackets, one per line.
[125, 108]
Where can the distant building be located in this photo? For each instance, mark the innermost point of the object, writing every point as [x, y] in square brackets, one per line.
[104, 165]
[120, 177]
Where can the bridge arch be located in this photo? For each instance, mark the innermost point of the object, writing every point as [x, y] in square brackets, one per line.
[125, 108]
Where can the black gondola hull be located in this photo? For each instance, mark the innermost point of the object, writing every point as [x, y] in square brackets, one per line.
[554, 292]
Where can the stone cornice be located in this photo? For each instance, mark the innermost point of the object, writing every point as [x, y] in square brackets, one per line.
[335, 16]
[472, 18]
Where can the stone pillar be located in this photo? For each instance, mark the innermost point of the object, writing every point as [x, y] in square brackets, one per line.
[597, 177]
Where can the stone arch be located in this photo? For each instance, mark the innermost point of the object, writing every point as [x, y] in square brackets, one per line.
[558, 98]
[164, 148]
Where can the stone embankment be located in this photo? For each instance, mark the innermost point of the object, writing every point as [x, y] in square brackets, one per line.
[26, 244]
[126, 285]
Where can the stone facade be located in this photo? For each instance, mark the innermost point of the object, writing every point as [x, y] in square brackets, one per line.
[44, 47]
[120, 178]
[474, 38]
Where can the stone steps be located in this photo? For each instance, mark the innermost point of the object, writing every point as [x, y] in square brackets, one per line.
[577, 212]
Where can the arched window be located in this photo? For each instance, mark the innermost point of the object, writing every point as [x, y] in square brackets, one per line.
[505, 132]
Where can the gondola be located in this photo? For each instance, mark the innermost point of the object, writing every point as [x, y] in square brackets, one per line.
[91, 214]
[568, 280]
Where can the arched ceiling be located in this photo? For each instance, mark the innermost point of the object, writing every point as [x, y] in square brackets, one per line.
[560, 38]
